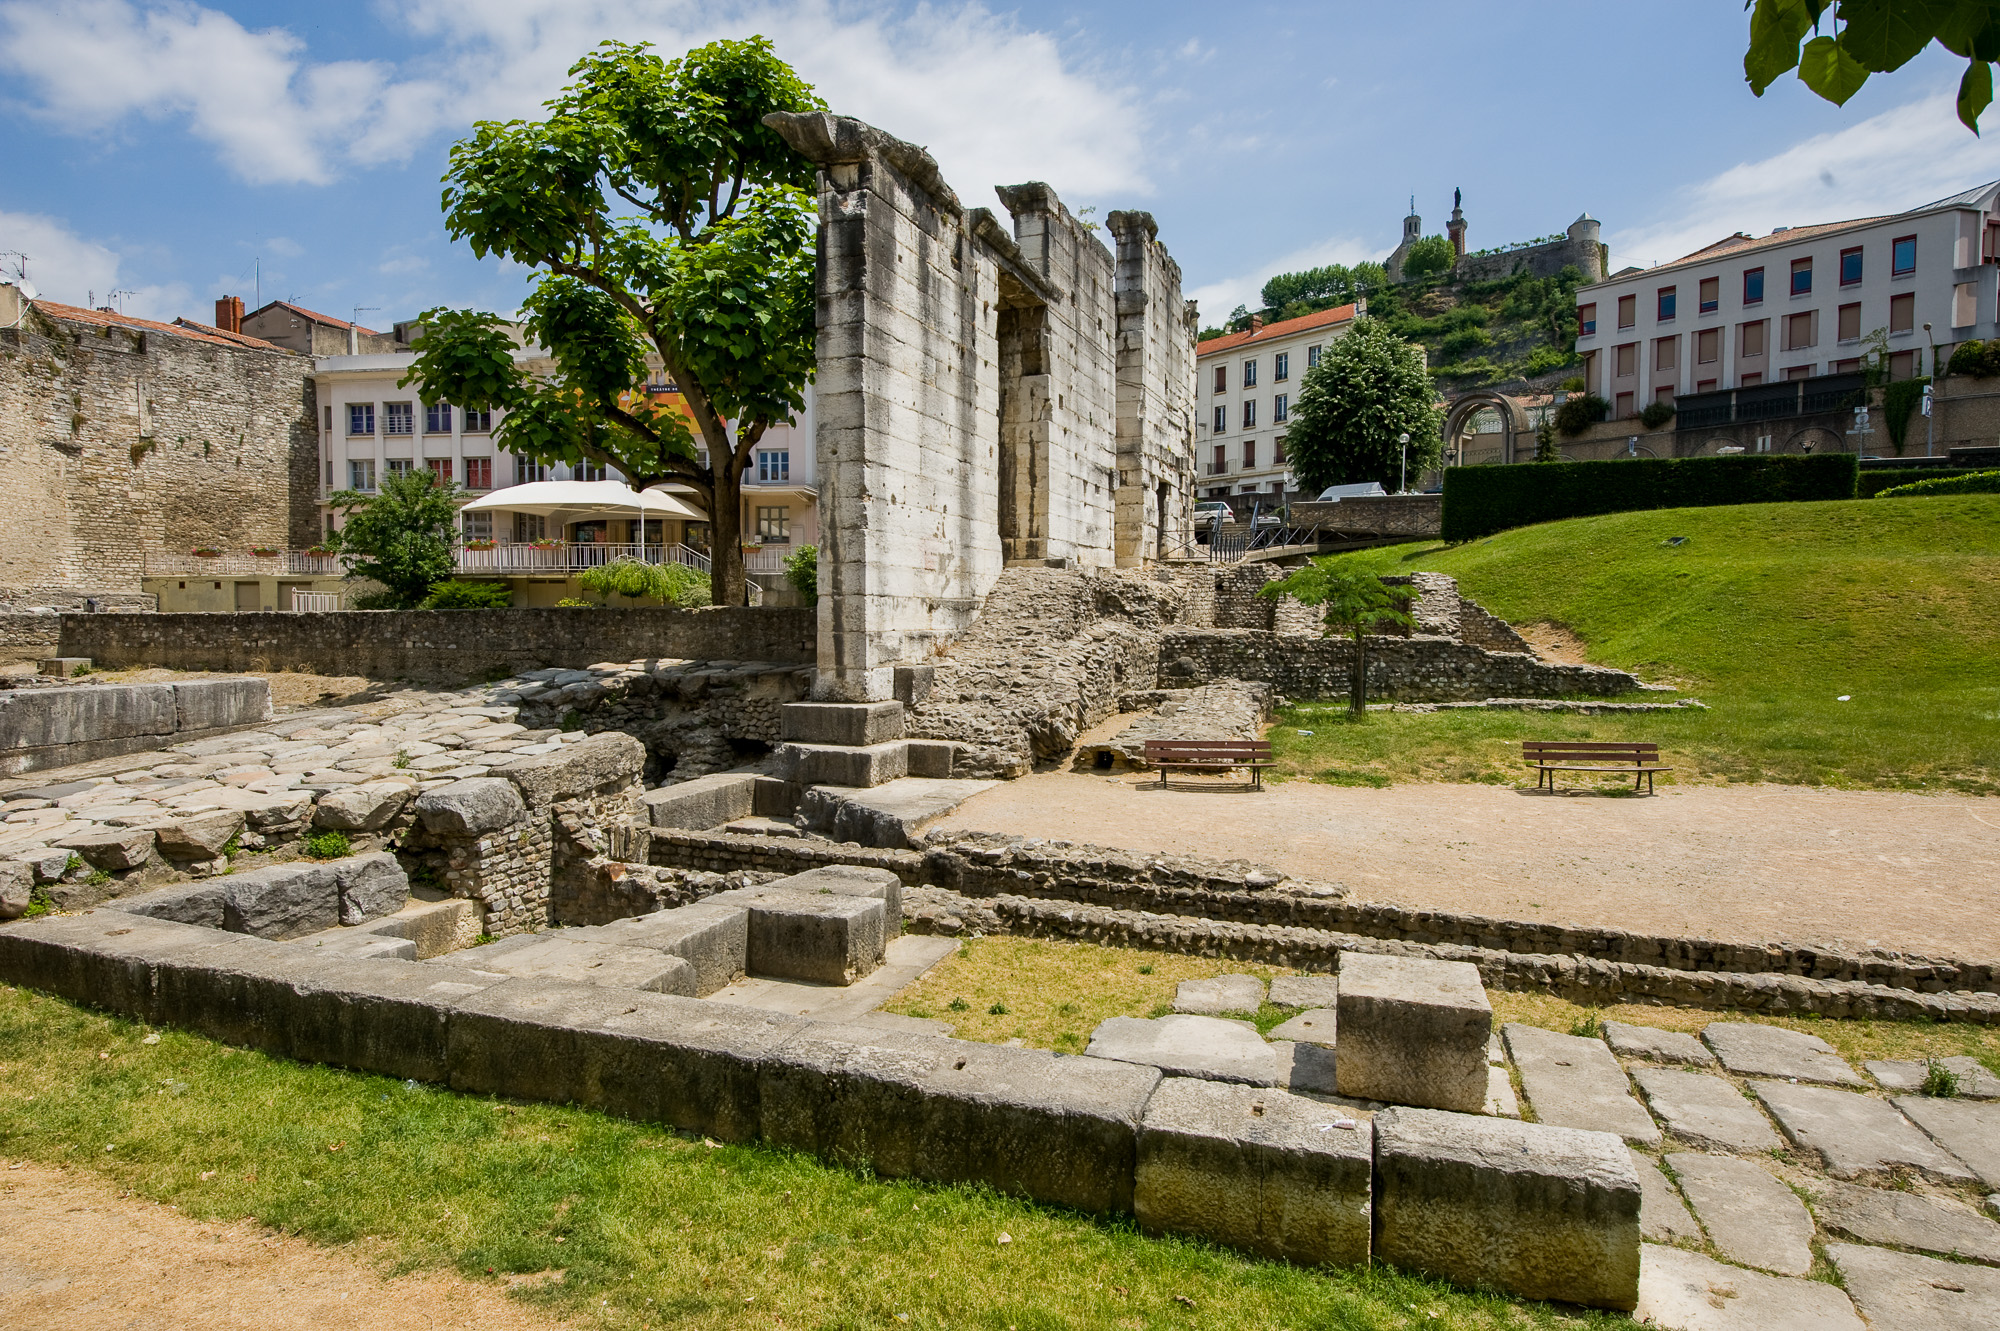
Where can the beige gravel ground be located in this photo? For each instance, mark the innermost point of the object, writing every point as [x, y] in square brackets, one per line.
[1771, 863]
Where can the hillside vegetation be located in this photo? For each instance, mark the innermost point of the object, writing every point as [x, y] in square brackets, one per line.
[1769, 613]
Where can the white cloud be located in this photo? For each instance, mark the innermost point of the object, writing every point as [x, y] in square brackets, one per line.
[997, 103]
[1900, 159]
[71, 270]
[1218, 298]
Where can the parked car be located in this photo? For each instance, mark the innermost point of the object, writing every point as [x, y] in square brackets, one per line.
[1205, 514]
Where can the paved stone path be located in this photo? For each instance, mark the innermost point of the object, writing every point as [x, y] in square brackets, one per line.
[1751, 1218]
[1704, 1110]
[1690, 1292]
[1575, 1082]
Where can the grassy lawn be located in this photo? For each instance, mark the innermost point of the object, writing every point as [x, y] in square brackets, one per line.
[1767, 612]
[646, 1228]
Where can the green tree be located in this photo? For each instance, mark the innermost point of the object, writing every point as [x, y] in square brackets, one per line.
[1368, 278]
[663, 218]
[1430, 254]
[1320, 287]
[1369, 388]
[1865, 37]
[1545, 440]
[802, 571]
[401, 536]
[1353, 602]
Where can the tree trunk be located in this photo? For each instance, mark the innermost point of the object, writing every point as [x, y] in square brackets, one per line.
[726, 581]
[1357, 699]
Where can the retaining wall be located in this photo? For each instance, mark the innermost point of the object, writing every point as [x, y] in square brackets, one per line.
[438, 643]
[1414, 669]
[28, 637]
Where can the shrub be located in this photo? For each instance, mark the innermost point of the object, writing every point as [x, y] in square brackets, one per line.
[1574, 384]
[575, 603]
[1899, 400]
[1970, 483]
[1479, 501]
[1656, 414]
[1579, 412]
[1977, 360]
[802, 571]
[1431, 254]
[1939, 1080]
[1465, 339]
[1872, 483]
[670, 584]
[328, 845]
[456, 595]
[1543, 359]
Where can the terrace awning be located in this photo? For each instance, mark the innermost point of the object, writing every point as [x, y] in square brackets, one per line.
[582, 501]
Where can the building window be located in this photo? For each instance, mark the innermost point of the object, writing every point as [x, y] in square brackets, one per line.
[329, 418]
[528, 473]
[1704, 386]
[1902, 256]
[478, 422]
[1628, 311]
[1711, 294]
[1802, 277]
[1850, 266]
[1850, 322]
[476, 526]
[1852, 366]
[1281, 406]
[329, 471]
[530, 527]
[440, 467]
[774, 464]
[774, 525]
[1750, 340]
[1664, 393]
[1249, 374]
[1708, 346]
[361, 473]
[1312, 357]
[1281, 367]
[1249, 455]
[437, 418]
[1753, 286]
[1666, 304]
[590, 471]
[479, 473]
[1799, 330]
[398, 418]
[401, 466]
[1625, 361]
[1799, 372]
[1278, 451]
[1666, 354]
[1586, 320]
[1222, 420]
[1750, 380]
[1903, 312]
[1222, 378]
[361, 418]
[1220, 465]
[1250, 413]
[1622, 407]
[1903, 365]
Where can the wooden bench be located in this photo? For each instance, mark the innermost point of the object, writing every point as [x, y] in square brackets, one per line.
[1552, 756]
[1211, 755]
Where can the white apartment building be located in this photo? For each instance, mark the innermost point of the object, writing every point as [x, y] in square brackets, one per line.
[1796, 304]
[1246, 383]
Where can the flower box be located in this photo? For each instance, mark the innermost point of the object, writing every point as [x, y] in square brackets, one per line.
[207, 552]
[263, 551]
[545, 545]
[323, 551]
[479, 545]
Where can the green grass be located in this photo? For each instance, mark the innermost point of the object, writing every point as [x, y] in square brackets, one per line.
[647, 1228]
[1767, 612]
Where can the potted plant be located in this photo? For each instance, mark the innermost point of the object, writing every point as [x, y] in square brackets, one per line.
[545, 545]
[479, 545]
[262, 551]
[322, 550]
[207, 551]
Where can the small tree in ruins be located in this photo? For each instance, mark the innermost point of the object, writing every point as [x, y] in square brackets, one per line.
[1356, 602]
[665, 218]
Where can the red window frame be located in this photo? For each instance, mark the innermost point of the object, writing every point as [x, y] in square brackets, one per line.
[1855, 253]
[1896, 267]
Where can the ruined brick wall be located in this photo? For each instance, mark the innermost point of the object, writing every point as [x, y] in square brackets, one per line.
[28, 637]
[1413, 669]
[119, 442]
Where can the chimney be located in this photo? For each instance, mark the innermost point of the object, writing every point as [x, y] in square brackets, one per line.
[229, 314]
[1256, 324]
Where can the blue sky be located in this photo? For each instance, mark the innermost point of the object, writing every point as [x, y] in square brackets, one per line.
[163, 149]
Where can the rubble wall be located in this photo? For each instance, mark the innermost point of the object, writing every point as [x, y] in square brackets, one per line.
[1419, 668]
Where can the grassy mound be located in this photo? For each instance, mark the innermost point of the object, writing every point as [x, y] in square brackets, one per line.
[1770, 613]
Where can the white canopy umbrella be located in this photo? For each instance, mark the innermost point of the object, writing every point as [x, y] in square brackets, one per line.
[581, 501]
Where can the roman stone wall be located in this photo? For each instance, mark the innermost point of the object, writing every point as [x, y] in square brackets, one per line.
[119, 442]
[1387, 515]
[28, 637]
[1419, 668]
[437, 643]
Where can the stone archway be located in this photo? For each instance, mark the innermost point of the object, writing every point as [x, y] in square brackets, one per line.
[1814, 439]
[1514, 432]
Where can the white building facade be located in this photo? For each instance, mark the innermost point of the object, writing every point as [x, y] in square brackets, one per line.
[1246, 384]
[1800, 303]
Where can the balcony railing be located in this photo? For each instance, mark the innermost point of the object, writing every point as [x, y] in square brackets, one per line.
[565, 557]
[278, 564]
[1770, 402]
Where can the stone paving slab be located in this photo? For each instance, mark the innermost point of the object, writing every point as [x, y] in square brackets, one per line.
[1223, 993]
[1752, 1050]
[1659, 1046]
[1307, 991]
[1907, 1074]
[1899, 1291]
[1305, 1067]
[1501, 1102]
[1705, 1110]
[1184, 1045]
[1969, 1130]
[1750, 1217]
[1857, 1135]
[1663, 1216]
[1906, 1220]
[1574, 1082]
[1315, 1026]
[1689, 1292]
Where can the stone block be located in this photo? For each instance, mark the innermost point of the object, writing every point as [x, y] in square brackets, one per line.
[1574, 1082]
[1413, 1031]
[580, 961]
[346, 942]
[1752, 1219]
[1975, 1082]
[847, 880]
[363, 808]
[432, 927]
[1899, 1291]
[198, 836]
[705, 802]
[1690, 1292]
[1313, 1026]
[913, 684]
[1309, 991]
[1906, 1220]
[61, 667]
[1220, 994]
[1189, 1046]
[887, 816]
[1970, 1131]
[369, 886]
[605, 763]
[657, 1058]
[205, 904]
[931, 758]
[1536, 1211]
[282, 900]
[712, 937]
[850, 723]
[827, 937]
[471, 807]
[1305, 1067]
[104, 958]
[1663, 1216]
[833, 765]
[212, 704]
[1855, 1134]
[1705, 1110]
[45, 718]
[1752, 1050]
[1255, 1169]
[1061, 1130]
[112, 849]
[17, 888]
[1660, 1046]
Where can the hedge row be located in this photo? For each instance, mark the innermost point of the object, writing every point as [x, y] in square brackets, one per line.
[1479, 501]
[1966, 483]
[1872, 483]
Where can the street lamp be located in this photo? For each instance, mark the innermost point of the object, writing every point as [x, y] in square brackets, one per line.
[1930, 420]
[1404, 484]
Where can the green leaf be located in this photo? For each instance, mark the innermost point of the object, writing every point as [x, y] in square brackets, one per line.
[1975, 93]
[1882, 35]
[1829, 71]
[1776, 29]
[1972, 29]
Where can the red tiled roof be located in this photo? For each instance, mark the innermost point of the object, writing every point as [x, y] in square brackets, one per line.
[1283, 328]
[314, 315]
[181, 328]
[1740, 241]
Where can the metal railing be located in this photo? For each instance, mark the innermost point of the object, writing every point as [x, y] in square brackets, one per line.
[279, 563]
[568, 557]
[316, 602]
[1233, 545]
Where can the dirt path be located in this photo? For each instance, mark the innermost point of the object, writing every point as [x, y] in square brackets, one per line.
[75, 1255]
[1770, 863]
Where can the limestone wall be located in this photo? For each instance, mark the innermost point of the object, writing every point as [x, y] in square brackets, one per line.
[1413, 669]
